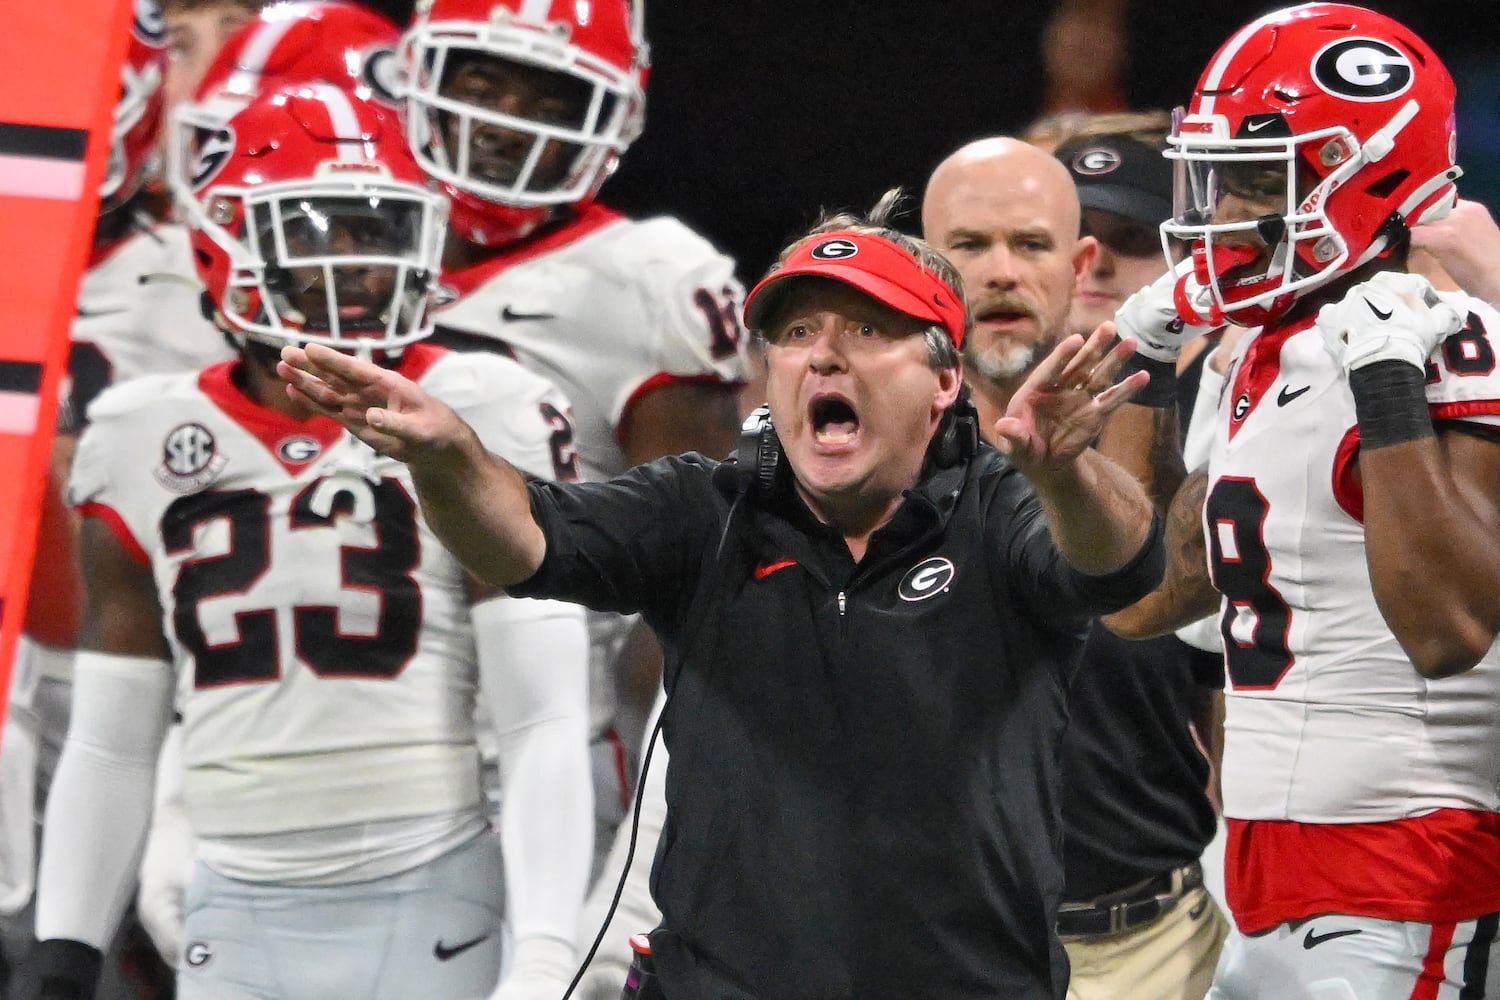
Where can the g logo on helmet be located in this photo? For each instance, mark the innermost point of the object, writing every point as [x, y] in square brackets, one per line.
[212, 154]
[380, 70]
[149, 24]
[1362, 69]
[835, 250]
[1096, 160]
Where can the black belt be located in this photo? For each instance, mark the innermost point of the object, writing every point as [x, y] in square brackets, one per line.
[1130, 907]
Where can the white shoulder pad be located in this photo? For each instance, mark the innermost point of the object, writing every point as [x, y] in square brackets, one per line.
[693, 301]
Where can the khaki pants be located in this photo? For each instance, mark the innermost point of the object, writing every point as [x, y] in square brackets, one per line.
[1171, 958]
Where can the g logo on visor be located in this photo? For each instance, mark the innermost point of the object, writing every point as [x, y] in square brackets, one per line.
[1362, 69]
[835, 249]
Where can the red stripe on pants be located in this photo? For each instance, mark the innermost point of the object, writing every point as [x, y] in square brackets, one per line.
[1432, 975]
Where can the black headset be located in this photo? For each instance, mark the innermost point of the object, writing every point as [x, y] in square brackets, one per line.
[758, 455]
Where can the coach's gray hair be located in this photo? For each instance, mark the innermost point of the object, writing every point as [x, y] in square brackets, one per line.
[941, 351]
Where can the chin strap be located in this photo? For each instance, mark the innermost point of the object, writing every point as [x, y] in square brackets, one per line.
[1193, 295]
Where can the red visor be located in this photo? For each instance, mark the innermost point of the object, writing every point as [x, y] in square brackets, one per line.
[875, 266]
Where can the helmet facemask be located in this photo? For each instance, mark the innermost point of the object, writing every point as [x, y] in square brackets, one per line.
[321, 263]
[561, 148]
[1297, 178]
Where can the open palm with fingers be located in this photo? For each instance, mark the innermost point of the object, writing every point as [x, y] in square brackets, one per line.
[382, 408]
[1062, 406]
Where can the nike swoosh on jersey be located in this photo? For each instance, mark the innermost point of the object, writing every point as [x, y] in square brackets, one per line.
[1286, 395]
[443, 952]
[510, 315]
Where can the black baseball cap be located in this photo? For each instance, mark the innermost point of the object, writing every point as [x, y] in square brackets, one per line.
[1115, 173]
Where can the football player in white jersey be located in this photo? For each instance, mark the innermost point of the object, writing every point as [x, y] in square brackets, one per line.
[137, 312]
[521, 109]
[316, 41]
[1350, 512]
[324, 650]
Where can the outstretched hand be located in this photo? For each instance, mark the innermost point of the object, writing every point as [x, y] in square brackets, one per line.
[382, 408]
[1060, 409]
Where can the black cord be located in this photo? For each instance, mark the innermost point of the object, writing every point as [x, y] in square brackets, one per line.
[635, 824]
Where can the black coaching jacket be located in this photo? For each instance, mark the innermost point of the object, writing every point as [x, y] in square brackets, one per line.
[863, 790]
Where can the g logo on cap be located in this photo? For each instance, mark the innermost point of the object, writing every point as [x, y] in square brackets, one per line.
[1096, 160]
[1362, 69]
[837, 249]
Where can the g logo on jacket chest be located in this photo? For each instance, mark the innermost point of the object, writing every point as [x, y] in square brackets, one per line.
[927, 578]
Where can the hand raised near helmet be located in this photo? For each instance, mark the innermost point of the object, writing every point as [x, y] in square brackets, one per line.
[1394, 316]
[1152, 319]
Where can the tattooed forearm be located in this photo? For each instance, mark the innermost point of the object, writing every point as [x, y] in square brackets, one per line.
[1186, 593]
[1144, 441]
[1165, 471]
[1187, 553]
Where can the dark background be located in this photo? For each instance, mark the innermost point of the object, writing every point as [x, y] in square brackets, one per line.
[759, 113]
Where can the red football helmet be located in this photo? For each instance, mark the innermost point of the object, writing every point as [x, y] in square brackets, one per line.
[320, 41]
[521, 106]
[138, 112]
[1339, 117]
[313, 224]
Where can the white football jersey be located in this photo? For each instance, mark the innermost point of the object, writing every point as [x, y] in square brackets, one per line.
[606, 308]
[325, 658]
[1327, 720]
[138, 314]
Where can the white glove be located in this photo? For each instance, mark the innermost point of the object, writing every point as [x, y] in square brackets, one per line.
[1394, 316]
[1150, 316]
[541, 969]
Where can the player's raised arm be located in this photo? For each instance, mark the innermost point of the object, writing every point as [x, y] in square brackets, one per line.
[475, 501]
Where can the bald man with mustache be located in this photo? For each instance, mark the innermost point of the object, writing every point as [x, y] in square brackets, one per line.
[1006, 214]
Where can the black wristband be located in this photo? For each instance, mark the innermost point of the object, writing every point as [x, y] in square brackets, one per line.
[1161, 391]
[1390, 404]
[66, 970]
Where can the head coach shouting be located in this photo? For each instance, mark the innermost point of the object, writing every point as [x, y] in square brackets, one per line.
[867, 619]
